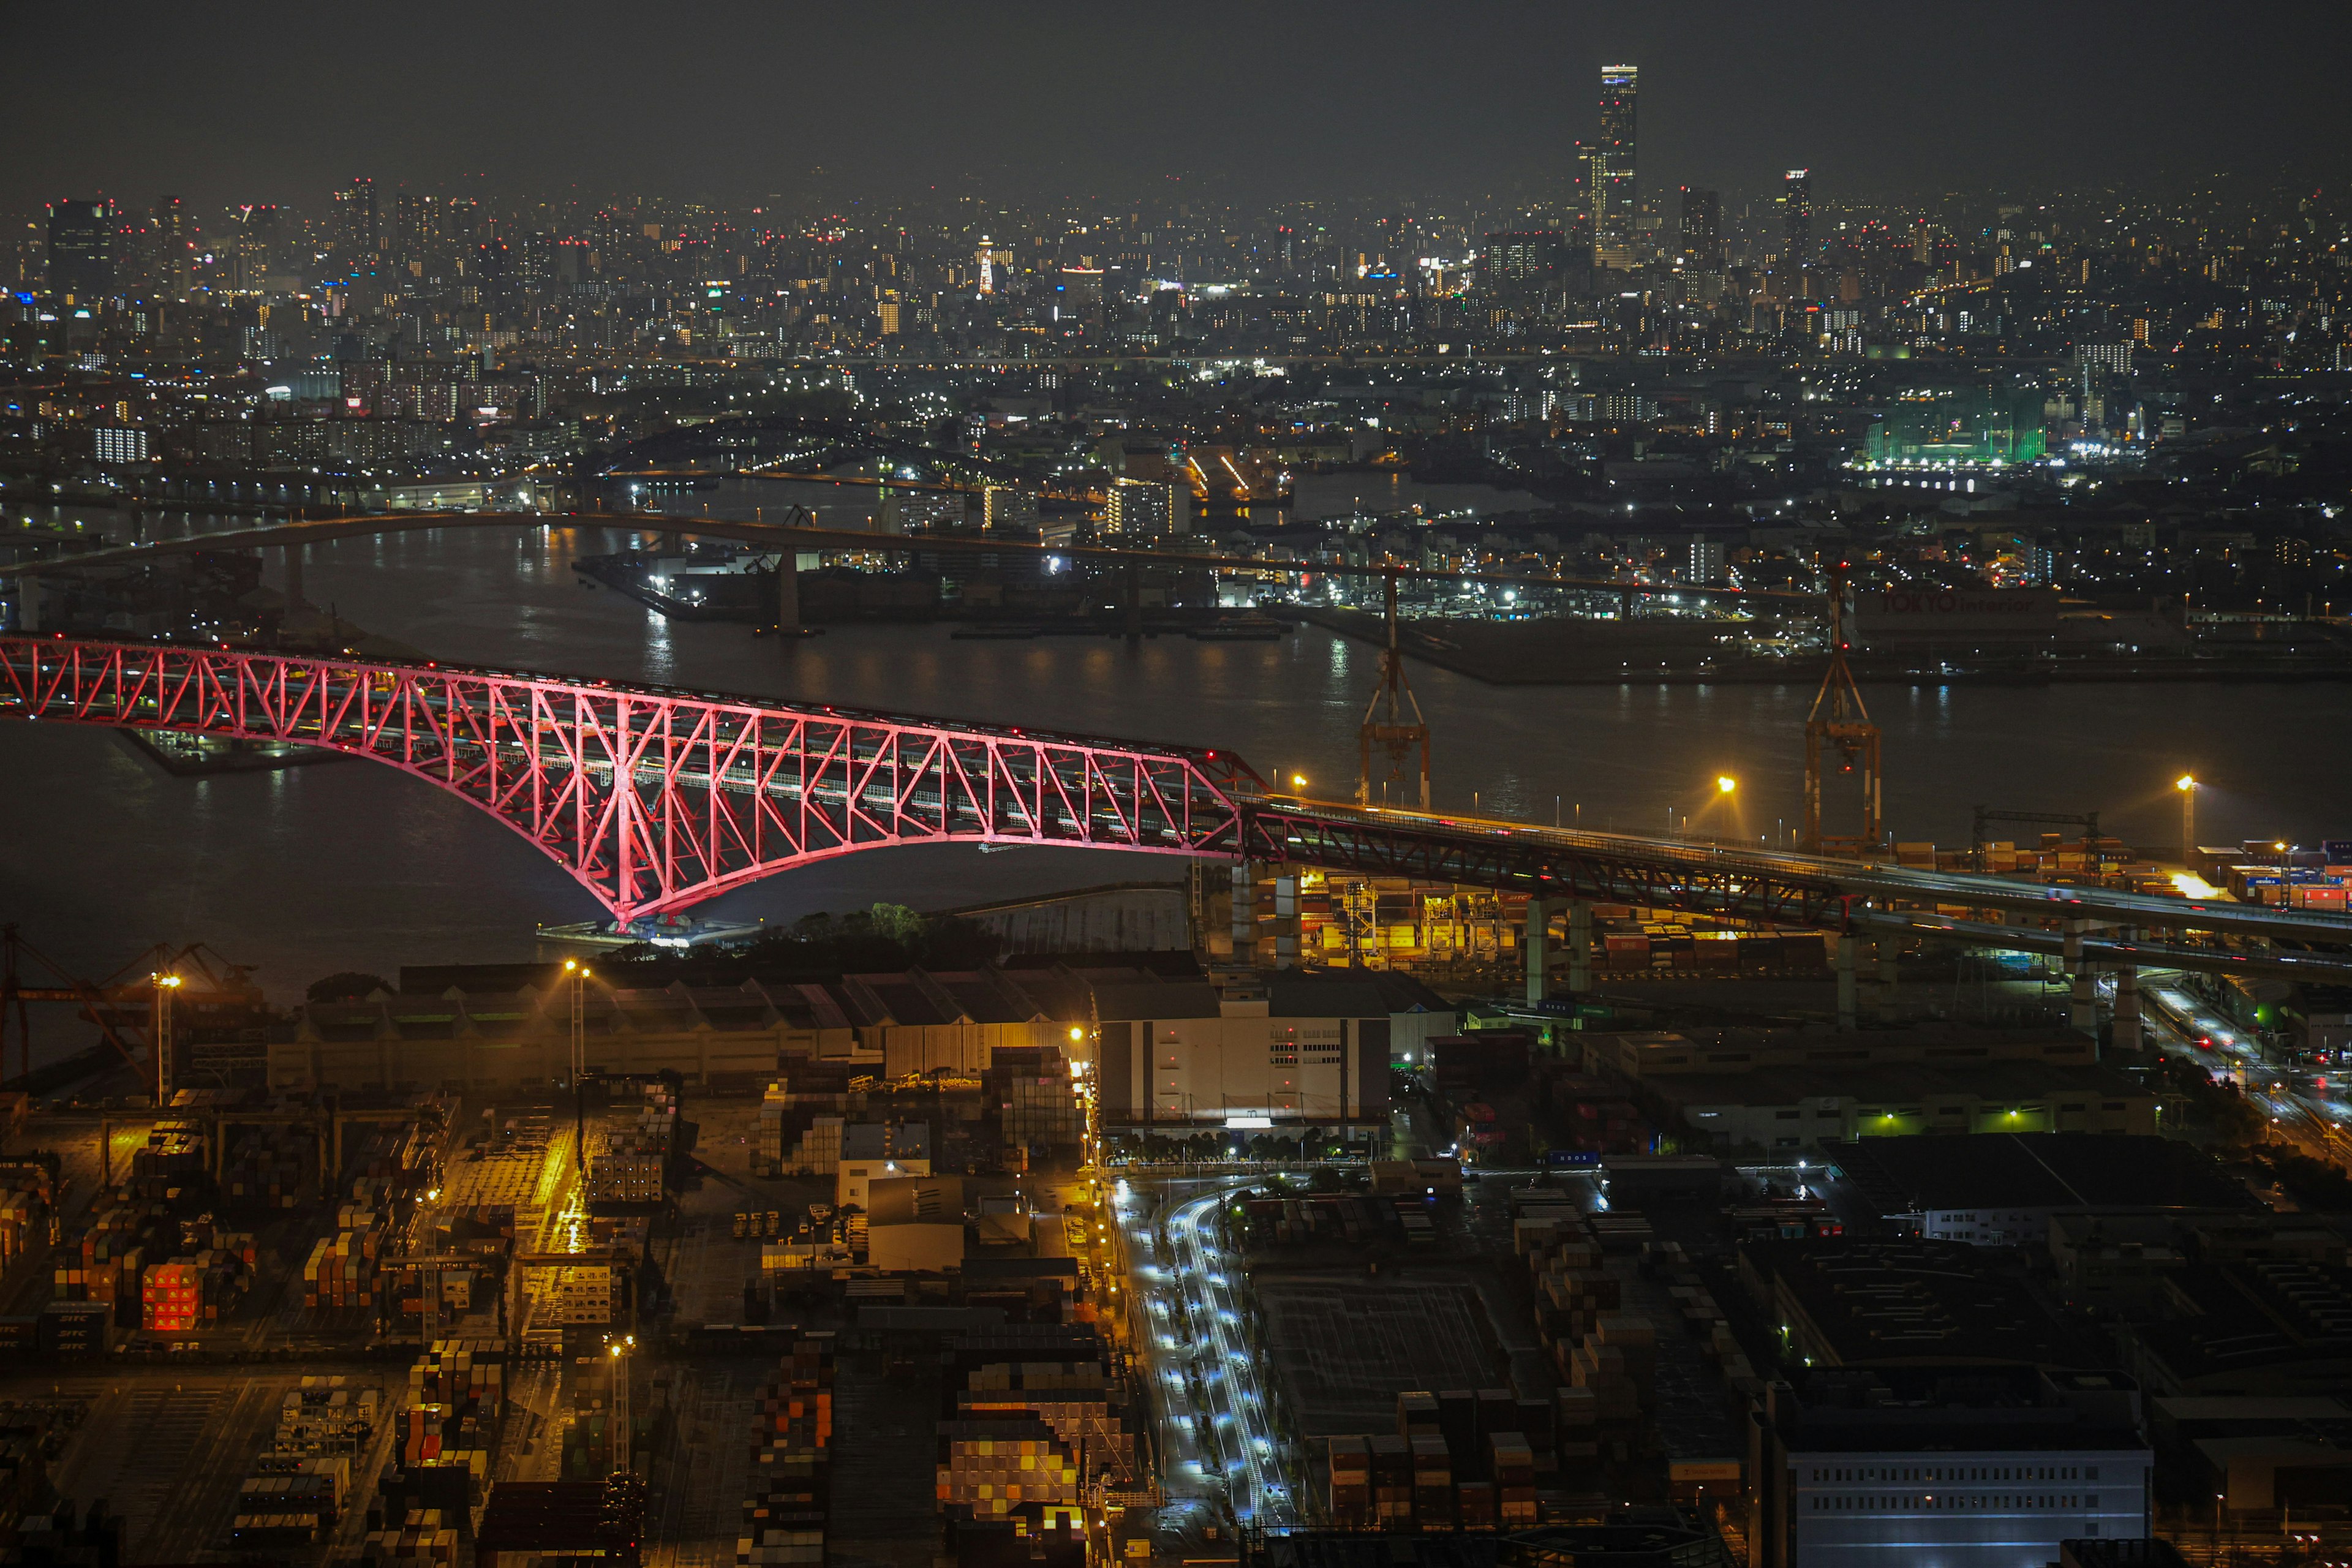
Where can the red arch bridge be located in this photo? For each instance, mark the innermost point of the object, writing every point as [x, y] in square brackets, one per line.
[655, 799]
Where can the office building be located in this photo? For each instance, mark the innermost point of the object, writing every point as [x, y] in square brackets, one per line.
[81, 250]
[1616, 204]
[1702, 229]
[1078, 295]
[1142, 510]
[2094, 360]
[1007, 508]
[1797, 220]
[1521, 263]
[174, 247]
[1962, 1466]
[1706, 562]
[356, 228]
[118, 445]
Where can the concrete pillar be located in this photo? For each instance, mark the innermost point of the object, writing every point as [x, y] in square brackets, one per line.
[1848, 1002]
[1890, 979]
[1245, 912]
[1536, 948]
[673, 543]
[2082, 1003]
[788, 589]
[1286, 921]
[2127, 1034]
[293, 578]
[28, 602]
[1579, 946]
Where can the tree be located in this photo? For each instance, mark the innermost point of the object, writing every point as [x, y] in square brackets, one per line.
[349, 986]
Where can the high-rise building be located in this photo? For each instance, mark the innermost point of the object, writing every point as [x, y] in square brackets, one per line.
[356, 229]
[1702, 232]
[1616, 203]
[174, 247]
[1009, 509]
[81, 250]
[1142, 510]
[1797, 219]
[1579, 227]
[1525, 262]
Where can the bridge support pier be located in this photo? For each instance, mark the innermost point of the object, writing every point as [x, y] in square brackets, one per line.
[1579, 946]
[788, 590]
[1849, 1010]
[1890, 978]
[1286, 921]
[28, 602]
[293, 578]
[1244, 919]
[2083, 1000]
[1536, 948]
[2127, 1034]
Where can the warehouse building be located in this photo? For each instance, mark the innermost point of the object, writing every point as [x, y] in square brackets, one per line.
[1286, 1050]
[1965, 1467]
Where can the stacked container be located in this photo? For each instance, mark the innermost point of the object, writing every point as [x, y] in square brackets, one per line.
[325, 1415]
[420, 1540]
[1351, 1483]
[171, 1298]
[990, 1469]
[1513, 1466]
[785, 1509]
[266, 1169]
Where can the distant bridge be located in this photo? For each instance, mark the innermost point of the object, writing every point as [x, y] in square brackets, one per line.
[656, 799]
[750, 440]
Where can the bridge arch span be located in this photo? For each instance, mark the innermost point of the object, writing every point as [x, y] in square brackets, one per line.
[653, 800]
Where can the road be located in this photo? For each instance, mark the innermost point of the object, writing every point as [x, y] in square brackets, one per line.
[1863, 881]
[1218, 1439]
[2305, 1108]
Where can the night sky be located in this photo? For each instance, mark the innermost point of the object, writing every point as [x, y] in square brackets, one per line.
[1311, 98]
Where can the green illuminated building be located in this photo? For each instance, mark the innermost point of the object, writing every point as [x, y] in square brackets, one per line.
[1974, 425]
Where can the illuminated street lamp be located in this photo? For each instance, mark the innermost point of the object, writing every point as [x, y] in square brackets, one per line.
[1725, 784]
[2187, 785]
[165, 985]
[579, 973]
[623, 1455]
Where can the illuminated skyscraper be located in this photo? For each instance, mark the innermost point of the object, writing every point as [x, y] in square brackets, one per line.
[174, 242]
[1797, 219]
[81, 250]
[1702, 229]
[1615, 201]
[356, 228]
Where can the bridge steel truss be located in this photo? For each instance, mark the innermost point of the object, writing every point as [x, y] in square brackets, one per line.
[653, 800]
[1542, 865]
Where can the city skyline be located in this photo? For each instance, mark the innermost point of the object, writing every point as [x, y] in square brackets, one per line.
[1034, 105]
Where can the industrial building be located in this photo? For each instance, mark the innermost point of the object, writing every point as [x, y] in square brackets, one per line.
[1288, 1049]
[1809, 1089]
[2003, 1190]
[1966, 1466]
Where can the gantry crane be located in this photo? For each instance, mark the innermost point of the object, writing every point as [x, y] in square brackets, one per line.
[1387, 731]
[1840, 722]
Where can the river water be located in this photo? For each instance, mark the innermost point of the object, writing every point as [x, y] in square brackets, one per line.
[341, 866]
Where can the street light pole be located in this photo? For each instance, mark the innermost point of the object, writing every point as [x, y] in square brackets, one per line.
[579, 973]
[2187, 785]
[624, 1450]
[165, 985]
